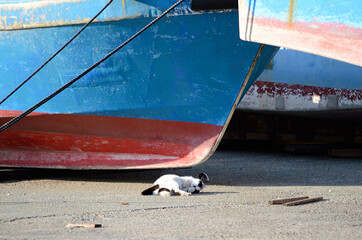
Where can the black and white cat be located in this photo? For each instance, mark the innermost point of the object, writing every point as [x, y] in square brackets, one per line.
[171, 184]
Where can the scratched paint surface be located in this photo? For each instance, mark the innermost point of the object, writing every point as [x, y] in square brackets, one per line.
[15, 14]
[327, 28]
[338, 11]
[186, 68]
[162, 101]
[305, 82]
[271, 96]
[79, 141]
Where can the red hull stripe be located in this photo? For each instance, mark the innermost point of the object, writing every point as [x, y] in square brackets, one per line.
[81, 141]
[330, 40]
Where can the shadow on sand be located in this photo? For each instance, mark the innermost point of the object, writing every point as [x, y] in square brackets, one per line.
[229, 168]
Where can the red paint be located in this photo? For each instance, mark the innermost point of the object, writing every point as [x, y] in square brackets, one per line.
[272, 89]
[80, 141]
[336, 41]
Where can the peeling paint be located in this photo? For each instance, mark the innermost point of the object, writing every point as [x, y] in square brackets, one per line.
[190, 111]
[265, 96]
[36, 14]
[332, 31]
[144, 144]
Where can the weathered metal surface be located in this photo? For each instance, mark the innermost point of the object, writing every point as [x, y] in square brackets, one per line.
[330, 29]
[297, 81]
[164, 101]
[282, 97]
[79, 141]
[157, 77]
[19, 14]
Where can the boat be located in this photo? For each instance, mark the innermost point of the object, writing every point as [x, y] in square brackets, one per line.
[327, 28]
[315, 75]
[307, 84]
[162, 101]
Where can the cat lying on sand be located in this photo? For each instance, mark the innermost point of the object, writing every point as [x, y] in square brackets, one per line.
[171, 184]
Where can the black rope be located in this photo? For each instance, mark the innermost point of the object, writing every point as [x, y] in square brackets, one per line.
[55, 54]
[65, 86]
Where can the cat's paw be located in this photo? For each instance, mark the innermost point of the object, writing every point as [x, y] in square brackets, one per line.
[185, 194]
[164, 194]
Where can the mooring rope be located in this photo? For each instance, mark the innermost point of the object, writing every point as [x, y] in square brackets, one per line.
[65, 86]
[55, 54]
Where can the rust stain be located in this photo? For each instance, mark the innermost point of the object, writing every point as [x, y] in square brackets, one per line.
[292, 6]
[124, 8]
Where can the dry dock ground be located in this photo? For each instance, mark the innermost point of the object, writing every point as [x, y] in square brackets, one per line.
[38, 204]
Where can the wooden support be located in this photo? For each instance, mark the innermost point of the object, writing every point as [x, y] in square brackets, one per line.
[309, 200]
[286, 200]
[83, 225]
[345, 153]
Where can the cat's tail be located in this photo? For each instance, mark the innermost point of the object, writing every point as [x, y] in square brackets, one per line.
[149, 191]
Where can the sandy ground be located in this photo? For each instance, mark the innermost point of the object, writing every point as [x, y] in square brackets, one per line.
[38, 204]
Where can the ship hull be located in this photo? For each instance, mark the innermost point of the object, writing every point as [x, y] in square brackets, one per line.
[164, 101]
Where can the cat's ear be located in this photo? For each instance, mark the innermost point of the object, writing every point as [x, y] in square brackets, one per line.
[204, 177]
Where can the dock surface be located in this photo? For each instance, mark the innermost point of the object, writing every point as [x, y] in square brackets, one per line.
[39, 204]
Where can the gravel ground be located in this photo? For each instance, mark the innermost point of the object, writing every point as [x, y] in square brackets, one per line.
[38, 204]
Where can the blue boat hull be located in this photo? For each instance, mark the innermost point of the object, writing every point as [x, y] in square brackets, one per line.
[186, 73]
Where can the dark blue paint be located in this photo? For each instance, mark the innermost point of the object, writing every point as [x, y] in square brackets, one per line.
[294, 67]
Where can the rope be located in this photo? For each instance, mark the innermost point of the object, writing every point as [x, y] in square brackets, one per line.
[65, 86]
[55, 54]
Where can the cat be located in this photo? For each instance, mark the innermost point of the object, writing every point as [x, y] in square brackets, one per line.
[170, 184]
